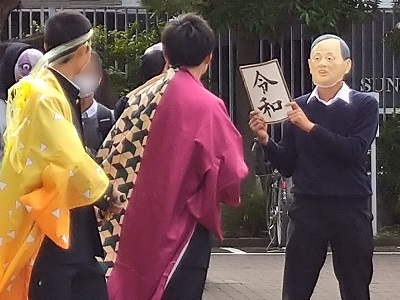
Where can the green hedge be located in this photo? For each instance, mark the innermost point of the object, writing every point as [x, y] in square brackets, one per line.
[121, 52]
[388, 153]
[248, 220]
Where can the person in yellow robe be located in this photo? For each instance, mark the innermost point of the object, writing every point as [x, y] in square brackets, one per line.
[48, 182]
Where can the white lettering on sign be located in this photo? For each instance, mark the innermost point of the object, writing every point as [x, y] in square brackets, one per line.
[378, 85]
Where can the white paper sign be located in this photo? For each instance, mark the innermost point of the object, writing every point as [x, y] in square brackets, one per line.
[267, 90]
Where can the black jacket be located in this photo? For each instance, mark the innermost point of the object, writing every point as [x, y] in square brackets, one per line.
[85, 239]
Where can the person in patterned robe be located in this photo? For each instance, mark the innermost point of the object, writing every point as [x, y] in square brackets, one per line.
[178, 156]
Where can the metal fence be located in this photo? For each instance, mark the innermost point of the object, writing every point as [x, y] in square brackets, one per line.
[374, 66]
[21, 22]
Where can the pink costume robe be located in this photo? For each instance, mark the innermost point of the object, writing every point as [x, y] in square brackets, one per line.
[193, 161]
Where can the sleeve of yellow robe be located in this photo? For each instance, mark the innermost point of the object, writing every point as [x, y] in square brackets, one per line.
[56, 175]
[70, 179]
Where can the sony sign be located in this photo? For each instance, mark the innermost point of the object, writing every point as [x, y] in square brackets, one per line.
[379, 85]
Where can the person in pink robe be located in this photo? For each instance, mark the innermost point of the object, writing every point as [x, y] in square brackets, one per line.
[193, 161]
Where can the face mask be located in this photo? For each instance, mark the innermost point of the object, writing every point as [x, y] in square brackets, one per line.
[87, 84]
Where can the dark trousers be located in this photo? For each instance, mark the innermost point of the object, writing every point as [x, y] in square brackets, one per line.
[345, 224]
[56, 281]
[188, 280]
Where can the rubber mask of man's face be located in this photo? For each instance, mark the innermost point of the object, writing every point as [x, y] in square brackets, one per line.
[327, 65]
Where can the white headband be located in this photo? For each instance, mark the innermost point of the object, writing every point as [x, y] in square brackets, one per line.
[61, 52]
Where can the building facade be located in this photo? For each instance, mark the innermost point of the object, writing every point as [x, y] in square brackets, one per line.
[79, 3]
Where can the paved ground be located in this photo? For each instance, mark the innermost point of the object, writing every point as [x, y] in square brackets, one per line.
[259, 277]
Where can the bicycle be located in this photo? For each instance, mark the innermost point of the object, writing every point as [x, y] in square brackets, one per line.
[277, 200]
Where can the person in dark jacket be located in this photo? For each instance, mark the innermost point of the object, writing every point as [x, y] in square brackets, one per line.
[97, 119]
[324, 148]
[16, 61]
[153, 63]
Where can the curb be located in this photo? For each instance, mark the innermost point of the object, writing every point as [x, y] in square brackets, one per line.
[386, 241]
[241, 242]
[262, 242]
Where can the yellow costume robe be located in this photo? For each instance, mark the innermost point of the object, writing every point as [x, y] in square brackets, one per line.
[46, 172]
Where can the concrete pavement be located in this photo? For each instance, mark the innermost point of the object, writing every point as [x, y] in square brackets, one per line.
[259, 277]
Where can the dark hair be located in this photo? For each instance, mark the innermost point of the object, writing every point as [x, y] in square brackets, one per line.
[106, 94]
[152, 64]
[187, 40]
[344, 48]
[64, 27]
[9, 54]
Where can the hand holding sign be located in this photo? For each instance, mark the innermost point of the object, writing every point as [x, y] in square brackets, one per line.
[267, 90]
[259, 127]
[299, 118]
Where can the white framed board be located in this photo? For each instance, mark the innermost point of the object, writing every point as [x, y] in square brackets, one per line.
[267, 90]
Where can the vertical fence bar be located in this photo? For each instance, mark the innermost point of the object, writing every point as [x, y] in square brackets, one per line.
[105, 19]
[353, 51]
[283, 62]
[220, 66]
[114, 11]
[231, 76]
[126, 18]
[302, 58]
[157, 20]
[20, 24]
[373, 56]
[383, 66]
[209, 81]
[137, 21]
[261, 50]
[394, 67]
[292, 77]
[210, 73]
[30, 22]
[126, 27]
[373, 147]
[115, 19]
[363, 55]
[147, 20]
[282, 52]
[42, 15]
[10, 26]
[271, 51]
[374, 189]
[94, 17]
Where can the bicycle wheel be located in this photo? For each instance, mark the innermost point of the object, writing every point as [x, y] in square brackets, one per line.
[273, 210]
[280, 222]
[268, 208]
[282, 217]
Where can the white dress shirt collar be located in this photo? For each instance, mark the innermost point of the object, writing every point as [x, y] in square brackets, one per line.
[91, 111]
[342, 94]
